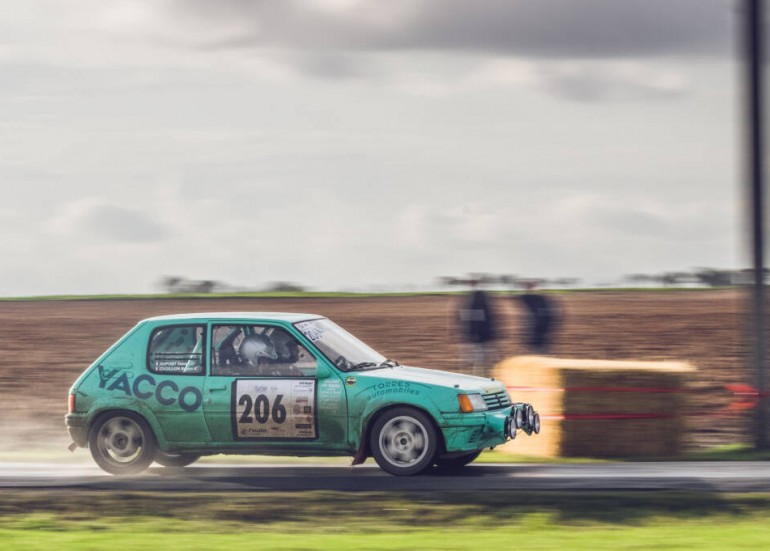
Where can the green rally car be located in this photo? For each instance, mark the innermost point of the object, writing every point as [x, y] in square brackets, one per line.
[177, 387]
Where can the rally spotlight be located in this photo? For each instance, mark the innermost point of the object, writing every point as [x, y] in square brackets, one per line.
[518, 418]
[536, 424]
[530, 415]
[510, 427]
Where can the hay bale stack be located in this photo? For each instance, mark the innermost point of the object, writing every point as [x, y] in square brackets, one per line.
[599, 408]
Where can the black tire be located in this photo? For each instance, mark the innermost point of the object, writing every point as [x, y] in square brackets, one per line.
[122, 443]
[457, 461]
[175, 459]
[403, 441]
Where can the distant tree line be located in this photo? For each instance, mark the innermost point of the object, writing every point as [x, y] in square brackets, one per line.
[705, 277]
[507, 281]
[180, 285]
[708, 277]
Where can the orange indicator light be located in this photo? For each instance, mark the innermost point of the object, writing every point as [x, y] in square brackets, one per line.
[465, 403]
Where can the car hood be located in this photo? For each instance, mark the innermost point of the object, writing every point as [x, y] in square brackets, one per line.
[433, 377]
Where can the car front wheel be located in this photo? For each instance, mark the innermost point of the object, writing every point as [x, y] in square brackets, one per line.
[404, 442]
[122, 443]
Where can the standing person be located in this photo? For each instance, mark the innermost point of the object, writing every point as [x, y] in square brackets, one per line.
[542, 317]
[476, 320]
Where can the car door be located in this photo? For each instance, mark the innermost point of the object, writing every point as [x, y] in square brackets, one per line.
[172, 384]
[267, 388]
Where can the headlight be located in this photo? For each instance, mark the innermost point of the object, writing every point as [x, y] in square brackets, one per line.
[471, 402]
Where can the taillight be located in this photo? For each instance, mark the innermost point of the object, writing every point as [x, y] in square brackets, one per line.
[71, 404]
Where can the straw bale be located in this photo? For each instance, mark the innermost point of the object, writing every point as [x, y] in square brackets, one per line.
[599, 408]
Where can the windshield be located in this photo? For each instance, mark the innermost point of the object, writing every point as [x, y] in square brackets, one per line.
[340, 347]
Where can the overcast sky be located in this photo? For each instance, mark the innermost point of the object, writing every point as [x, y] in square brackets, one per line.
[354, 144]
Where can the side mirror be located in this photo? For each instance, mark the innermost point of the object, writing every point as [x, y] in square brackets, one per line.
[323, 371]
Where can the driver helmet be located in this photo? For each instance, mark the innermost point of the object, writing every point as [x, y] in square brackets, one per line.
[255, 347]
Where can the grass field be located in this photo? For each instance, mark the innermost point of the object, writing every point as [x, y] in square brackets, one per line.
[328, 520]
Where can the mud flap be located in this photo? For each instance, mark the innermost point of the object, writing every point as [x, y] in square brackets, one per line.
[360, 456]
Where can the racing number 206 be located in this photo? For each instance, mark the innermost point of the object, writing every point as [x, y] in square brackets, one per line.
[261, 409]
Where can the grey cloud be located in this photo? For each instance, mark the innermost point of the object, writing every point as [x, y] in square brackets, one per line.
[328, 65]
[114, 223]
[597, 83]
[579, 28]
[565, 29]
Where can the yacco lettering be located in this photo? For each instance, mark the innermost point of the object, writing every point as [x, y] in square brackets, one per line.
[104, 377]
[159, 392]
[145, 387]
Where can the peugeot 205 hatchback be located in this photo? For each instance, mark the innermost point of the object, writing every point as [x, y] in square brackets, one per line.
[175, 388]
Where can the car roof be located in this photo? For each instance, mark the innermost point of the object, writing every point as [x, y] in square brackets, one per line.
[290, 317]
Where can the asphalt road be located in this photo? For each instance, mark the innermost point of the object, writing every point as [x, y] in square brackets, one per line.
[751, 476]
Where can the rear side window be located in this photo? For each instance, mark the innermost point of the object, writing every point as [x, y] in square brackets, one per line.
[177, 350]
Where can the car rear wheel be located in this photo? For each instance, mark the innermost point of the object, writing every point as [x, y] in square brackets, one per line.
[122, 443]
[175, 459]
[457, 461]
[404, 442]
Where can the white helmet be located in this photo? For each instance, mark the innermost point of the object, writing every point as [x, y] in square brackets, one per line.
[255, 347]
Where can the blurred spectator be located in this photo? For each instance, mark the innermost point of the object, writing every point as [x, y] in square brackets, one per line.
[477, 325]
[542, 318]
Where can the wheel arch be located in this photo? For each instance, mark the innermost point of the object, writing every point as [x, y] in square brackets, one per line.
[366, 431]
[146, 415]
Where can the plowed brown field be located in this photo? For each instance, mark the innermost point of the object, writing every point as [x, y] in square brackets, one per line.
[45, 345]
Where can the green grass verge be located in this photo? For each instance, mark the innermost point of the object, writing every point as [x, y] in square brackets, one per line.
[731, 452]
[331, 520]
[63, 456]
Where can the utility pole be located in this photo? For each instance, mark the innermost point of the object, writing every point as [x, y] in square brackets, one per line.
[754, 21]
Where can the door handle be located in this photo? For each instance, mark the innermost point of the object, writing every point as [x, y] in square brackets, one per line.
[217, 388]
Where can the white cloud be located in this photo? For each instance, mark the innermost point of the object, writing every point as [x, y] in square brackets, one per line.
[95, 220]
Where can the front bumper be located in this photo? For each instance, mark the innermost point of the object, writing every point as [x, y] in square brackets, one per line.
[77, 426]
[486, 429]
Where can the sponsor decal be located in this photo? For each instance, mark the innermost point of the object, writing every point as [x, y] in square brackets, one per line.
[331, 396]
[313, 329]
[281, 409]
[145, 386]
[386, 388]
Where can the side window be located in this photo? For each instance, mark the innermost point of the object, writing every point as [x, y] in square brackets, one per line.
[258, 351]
[177, 350]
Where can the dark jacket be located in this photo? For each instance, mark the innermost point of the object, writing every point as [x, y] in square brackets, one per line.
[477, 318]
[543, 316]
